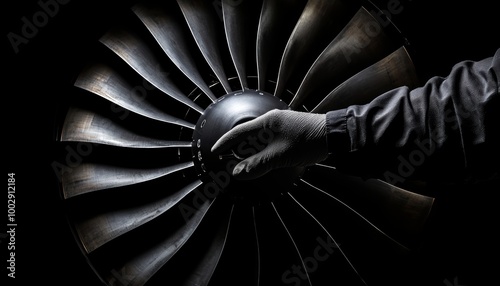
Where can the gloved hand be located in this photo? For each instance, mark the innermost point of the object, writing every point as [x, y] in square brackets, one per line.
[293, 139]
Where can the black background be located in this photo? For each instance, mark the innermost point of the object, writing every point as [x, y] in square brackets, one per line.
[38, 78]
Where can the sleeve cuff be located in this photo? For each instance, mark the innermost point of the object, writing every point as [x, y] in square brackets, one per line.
[337, 138]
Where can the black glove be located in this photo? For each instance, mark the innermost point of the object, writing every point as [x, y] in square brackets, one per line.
[294, 139]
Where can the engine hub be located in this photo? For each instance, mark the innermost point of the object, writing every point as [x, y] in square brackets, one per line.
[216, 169]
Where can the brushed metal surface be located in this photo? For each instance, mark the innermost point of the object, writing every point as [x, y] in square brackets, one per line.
[235, 24]
[202, 22]
[276, 23]
[106, 82]
[172, 34]
[319, 20]
[142, 267]
[82, 125]
[207, 264]
[89, 177]
[101, 228]
[139, 56]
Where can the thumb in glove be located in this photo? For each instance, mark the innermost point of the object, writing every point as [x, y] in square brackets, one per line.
[296, 139]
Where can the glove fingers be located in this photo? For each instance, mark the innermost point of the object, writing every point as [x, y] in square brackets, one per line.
[257, 165]
[237, 134]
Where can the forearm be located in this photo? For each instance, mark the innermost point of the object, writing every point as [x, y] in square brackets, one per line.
[448, 126]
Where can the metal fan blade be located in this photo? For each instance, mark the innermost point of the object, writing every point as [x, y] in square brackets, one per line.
[88, 177]
[256, 231]
[85, 126]
[201, 21]
[309, 214]
[206, 266]
[393, 71]
[138, 55]
[355, 213]
[102, 228]
[319, 19]
[277, 251]
[235, 23]
[361, 43]
[107, 83]
[168, 31]
[391, 206]
[143, 267]
[277, 19]
[293, 242]
[241, 252]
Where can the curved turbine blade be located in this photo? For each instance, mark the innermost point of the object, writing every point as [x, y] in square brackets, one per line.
[393, 71]
[277, 19]
[201, 22]
[356, 213]
[254, 219]
[143, 267]
[205, 268]
[361, 43]
[142, 59]
[166, 28]
[398, 208]
[106, 82]
[319, 19]
[328, 233]
[241, 251]
[88, 177]
[293, 241]
[103, 228]
[235, 23]
[85, 126]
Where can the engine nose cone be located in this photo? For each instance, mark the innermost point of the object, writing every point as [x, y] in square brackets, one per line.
[216, 169]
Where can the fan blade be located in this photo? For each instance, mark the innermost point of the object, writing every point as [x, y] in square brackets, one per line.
[277, 19]
[393, 71]
[106, 82]
[277, 251]
[88, 177]
[167, 30]
[235, 23]
[391, 206]
[138, 55]
[143, 267]
[354, 212]
[85, 126]
[337, 246]
[293, 242]
[361, 43]
[102, 228]
[241, 252]
[319, 20]
[206, 266]
[254, 219]
[202, 23]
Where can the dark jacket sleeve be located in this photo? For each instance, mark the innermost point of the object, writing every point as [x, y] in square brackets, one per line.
[446, 130]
